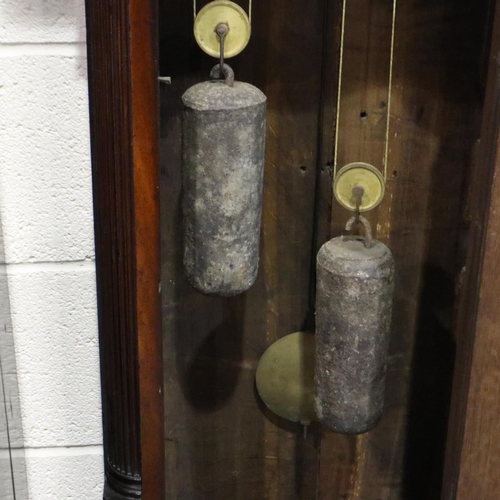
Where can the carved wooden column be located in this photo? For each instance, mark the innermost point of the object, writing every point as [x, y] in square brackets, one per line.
[122, 60]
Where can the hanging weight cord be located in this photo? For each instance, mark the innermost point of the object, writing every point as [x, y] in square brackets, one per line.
[389, 88]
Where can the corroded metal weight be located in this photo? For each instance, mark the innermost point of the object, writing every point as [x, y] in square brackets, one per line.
[353, 318]
[223, 163]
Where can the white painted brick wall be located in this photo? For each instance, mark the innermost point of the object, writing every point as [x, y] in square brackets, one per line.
[44, 166]
[46, 219]
[42, 21]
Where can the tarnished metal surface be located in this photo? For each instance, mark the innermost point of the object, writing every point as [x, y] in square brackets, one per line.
[368, 240]
[353, 318]
[223, 162]
[285, 377]
[227, 73]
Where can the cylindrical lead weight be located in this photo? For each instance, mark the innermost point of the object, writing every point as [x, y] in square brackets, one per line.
[223, 164]
[353, 319]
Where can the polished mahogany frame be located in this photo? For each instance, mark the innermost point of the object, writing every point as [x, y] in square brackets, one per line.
[123, 89]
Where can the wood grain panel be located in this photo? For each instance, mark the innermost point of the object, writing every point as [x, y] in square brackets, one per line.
[473, 448]
[364, 82]
[220, 443]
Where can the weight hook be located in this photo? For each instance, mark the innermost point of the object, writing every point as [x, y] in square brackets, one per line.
[222, 30]
[368, 229]
[227, 72]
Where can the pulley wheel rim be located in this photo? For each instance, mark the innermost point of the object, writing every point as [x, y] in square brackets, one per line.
[226, 12]
[359, 174]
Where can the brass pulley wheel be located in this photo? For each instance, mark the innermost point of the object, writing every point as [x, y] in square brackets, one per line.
[222, 12]
[365, 176]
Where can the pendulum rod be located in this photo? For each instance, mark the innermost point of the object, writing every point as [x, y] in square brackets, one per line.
[389, 88]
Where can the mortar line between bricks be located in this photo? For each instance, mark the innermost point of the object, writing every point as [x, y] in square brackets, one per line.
[40, 267]
[55, 451]
[68, 49]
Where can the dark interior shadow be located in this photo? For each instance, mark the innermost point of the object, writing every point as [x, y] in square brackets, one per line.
[432, 367]
[430, 388]
[210, 374]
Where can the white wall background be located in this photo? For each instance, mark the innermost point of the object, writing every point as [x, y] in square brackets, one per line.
[46, 218]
